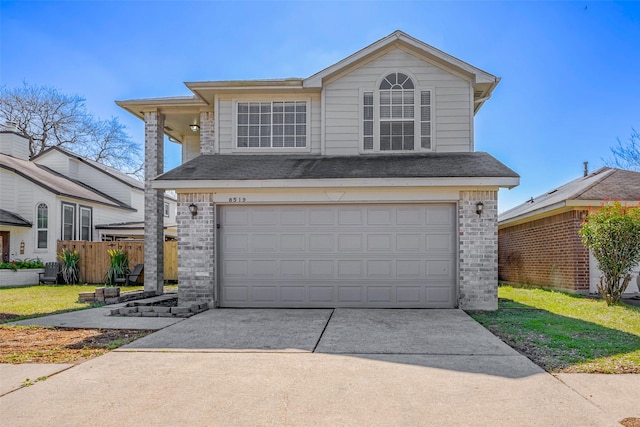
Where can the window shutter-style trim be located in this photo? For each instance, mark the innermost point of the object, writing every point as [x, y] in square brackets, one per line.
[425, 119]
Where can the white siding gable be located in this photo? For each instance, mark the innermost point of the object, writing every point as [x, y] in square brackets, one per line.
[452, 106]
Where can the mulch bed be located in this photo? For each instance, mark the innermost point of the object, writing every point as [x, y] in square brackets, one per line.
[60, 345]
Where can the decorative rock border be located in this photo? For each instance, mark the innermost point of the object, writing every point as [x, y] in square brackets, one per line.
[112, 296]
[135, 310]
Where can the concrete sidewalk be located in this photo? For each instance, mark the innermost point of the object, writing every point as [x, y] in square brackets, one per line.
[98, 318]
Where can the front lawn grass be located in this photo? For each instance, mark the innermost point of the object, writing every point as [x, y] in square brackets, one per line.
[566, 333]
[40, 300]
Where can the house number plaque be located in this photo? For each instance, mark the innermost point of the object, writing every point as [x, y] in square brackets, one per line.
[237, 199]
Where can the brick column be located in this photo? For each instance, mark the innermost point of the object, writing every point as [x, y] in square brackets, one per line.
[478, 261]
[196, 249]
[153, 203]
[207, 134]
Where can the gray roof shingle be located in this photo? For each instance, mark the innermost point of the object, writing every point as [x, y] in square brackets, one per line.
[256, 167]
[600, 185]
[13, 219]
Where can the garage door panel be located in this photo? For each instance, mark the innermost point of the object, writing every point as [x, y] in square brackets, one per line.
[321, 268]
[292, 294]
[380, 216]
[264, 242]
[350, 294]
[321, 216]
[338, 256]
[409, 294]
[321, 243]
[379, 242]
[439, 242]
[379, 268]
[409, 216]
[321, 295]
[350, 242]
[293, 268]
[292, 242]
[350, 217]
[292, 217]
[350, 269]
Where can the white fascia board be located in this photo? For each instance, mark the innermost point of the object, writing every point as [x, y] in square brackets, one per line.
[597, 203]
[336, 183]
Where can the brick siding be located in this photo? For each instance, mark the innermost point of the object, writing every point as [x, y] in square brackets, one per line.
[478, 260]
[207, 133]
[154, 203]
[196, 250]
[546, 252]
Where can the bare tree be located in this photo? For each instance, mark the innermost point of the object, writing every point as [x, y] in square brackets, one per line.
[627, 155]
[53, 119]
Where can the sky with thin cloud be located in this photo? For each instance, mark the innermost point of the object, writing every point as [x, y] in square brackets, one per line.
[570, 70]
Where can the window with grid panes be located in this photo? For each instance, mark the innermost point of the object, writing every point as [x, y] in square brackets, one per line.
[272, 124]
[43, 225]
[399, 128]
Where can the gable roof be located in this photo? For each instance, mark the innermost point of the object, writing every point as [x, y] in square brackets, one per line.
[483, 82]
[182, 111]
[108, 170]
[212, 169]
[56, 183]
[591, 190]
[13, 219]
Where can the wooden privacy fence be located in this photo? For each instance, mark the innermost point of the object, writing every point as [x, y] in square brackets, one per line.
[94, 259]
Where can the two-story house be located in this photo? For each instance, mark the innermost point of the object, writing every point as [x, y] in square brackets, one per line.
[356, 187]
[58, 195]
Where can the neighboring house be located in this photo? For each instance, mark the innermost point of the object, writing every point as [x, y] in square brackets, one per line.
[539, 242]
[356, 187]
[59, 196]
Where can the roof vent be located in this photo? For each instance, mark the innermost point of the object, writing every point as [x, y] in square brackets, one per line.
[586, 168]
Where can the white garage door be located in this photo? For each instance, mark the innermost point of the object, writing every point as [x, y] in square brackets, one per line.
[338, 256]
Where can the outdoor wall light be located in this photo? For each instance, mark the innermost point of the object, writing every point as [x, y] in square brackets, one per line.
[193, 209]
[194, 127]
[479, 208]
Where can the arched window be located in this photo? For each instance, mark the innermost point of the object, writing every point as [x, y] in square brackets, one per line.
[42, 225]
[394, 124]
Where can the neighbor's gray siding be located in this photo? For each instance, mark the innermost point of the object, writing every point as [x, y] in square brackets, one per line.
[451, 107]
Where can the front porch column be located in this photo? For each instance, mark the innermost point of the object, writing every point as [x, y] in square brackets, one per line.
[196, 249]
[207, 133]
[478, 258]
[153, 203]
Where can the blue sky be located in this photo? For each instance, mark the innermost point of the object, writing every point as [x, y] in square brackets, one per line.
[570, 70]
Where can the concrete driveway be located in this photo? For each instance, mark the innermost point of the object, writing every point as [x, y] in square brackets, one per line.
[308, 367]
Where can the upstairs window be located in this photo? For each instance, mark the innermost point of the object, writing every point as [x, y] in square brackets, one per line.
[390, 121]
[272, 124]
[43, 226]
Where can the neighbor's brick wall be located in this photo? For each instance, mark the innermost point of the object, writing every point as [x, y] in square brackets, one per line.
[153, 203]
[546, 252]
[196, 250]
[207, 134]
[478, 259]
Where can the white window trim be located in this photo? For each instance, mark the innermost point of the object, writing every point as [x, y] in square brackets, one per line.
[75, 220]
[90, 209]
[36, 249]
[263, 150]
[166, 209]
[376, 117]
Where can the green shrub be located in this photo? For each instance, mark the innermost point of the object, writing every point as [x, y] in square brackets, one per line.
[613, 235]
[21, 264]
[70, 270]
[118, 266]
